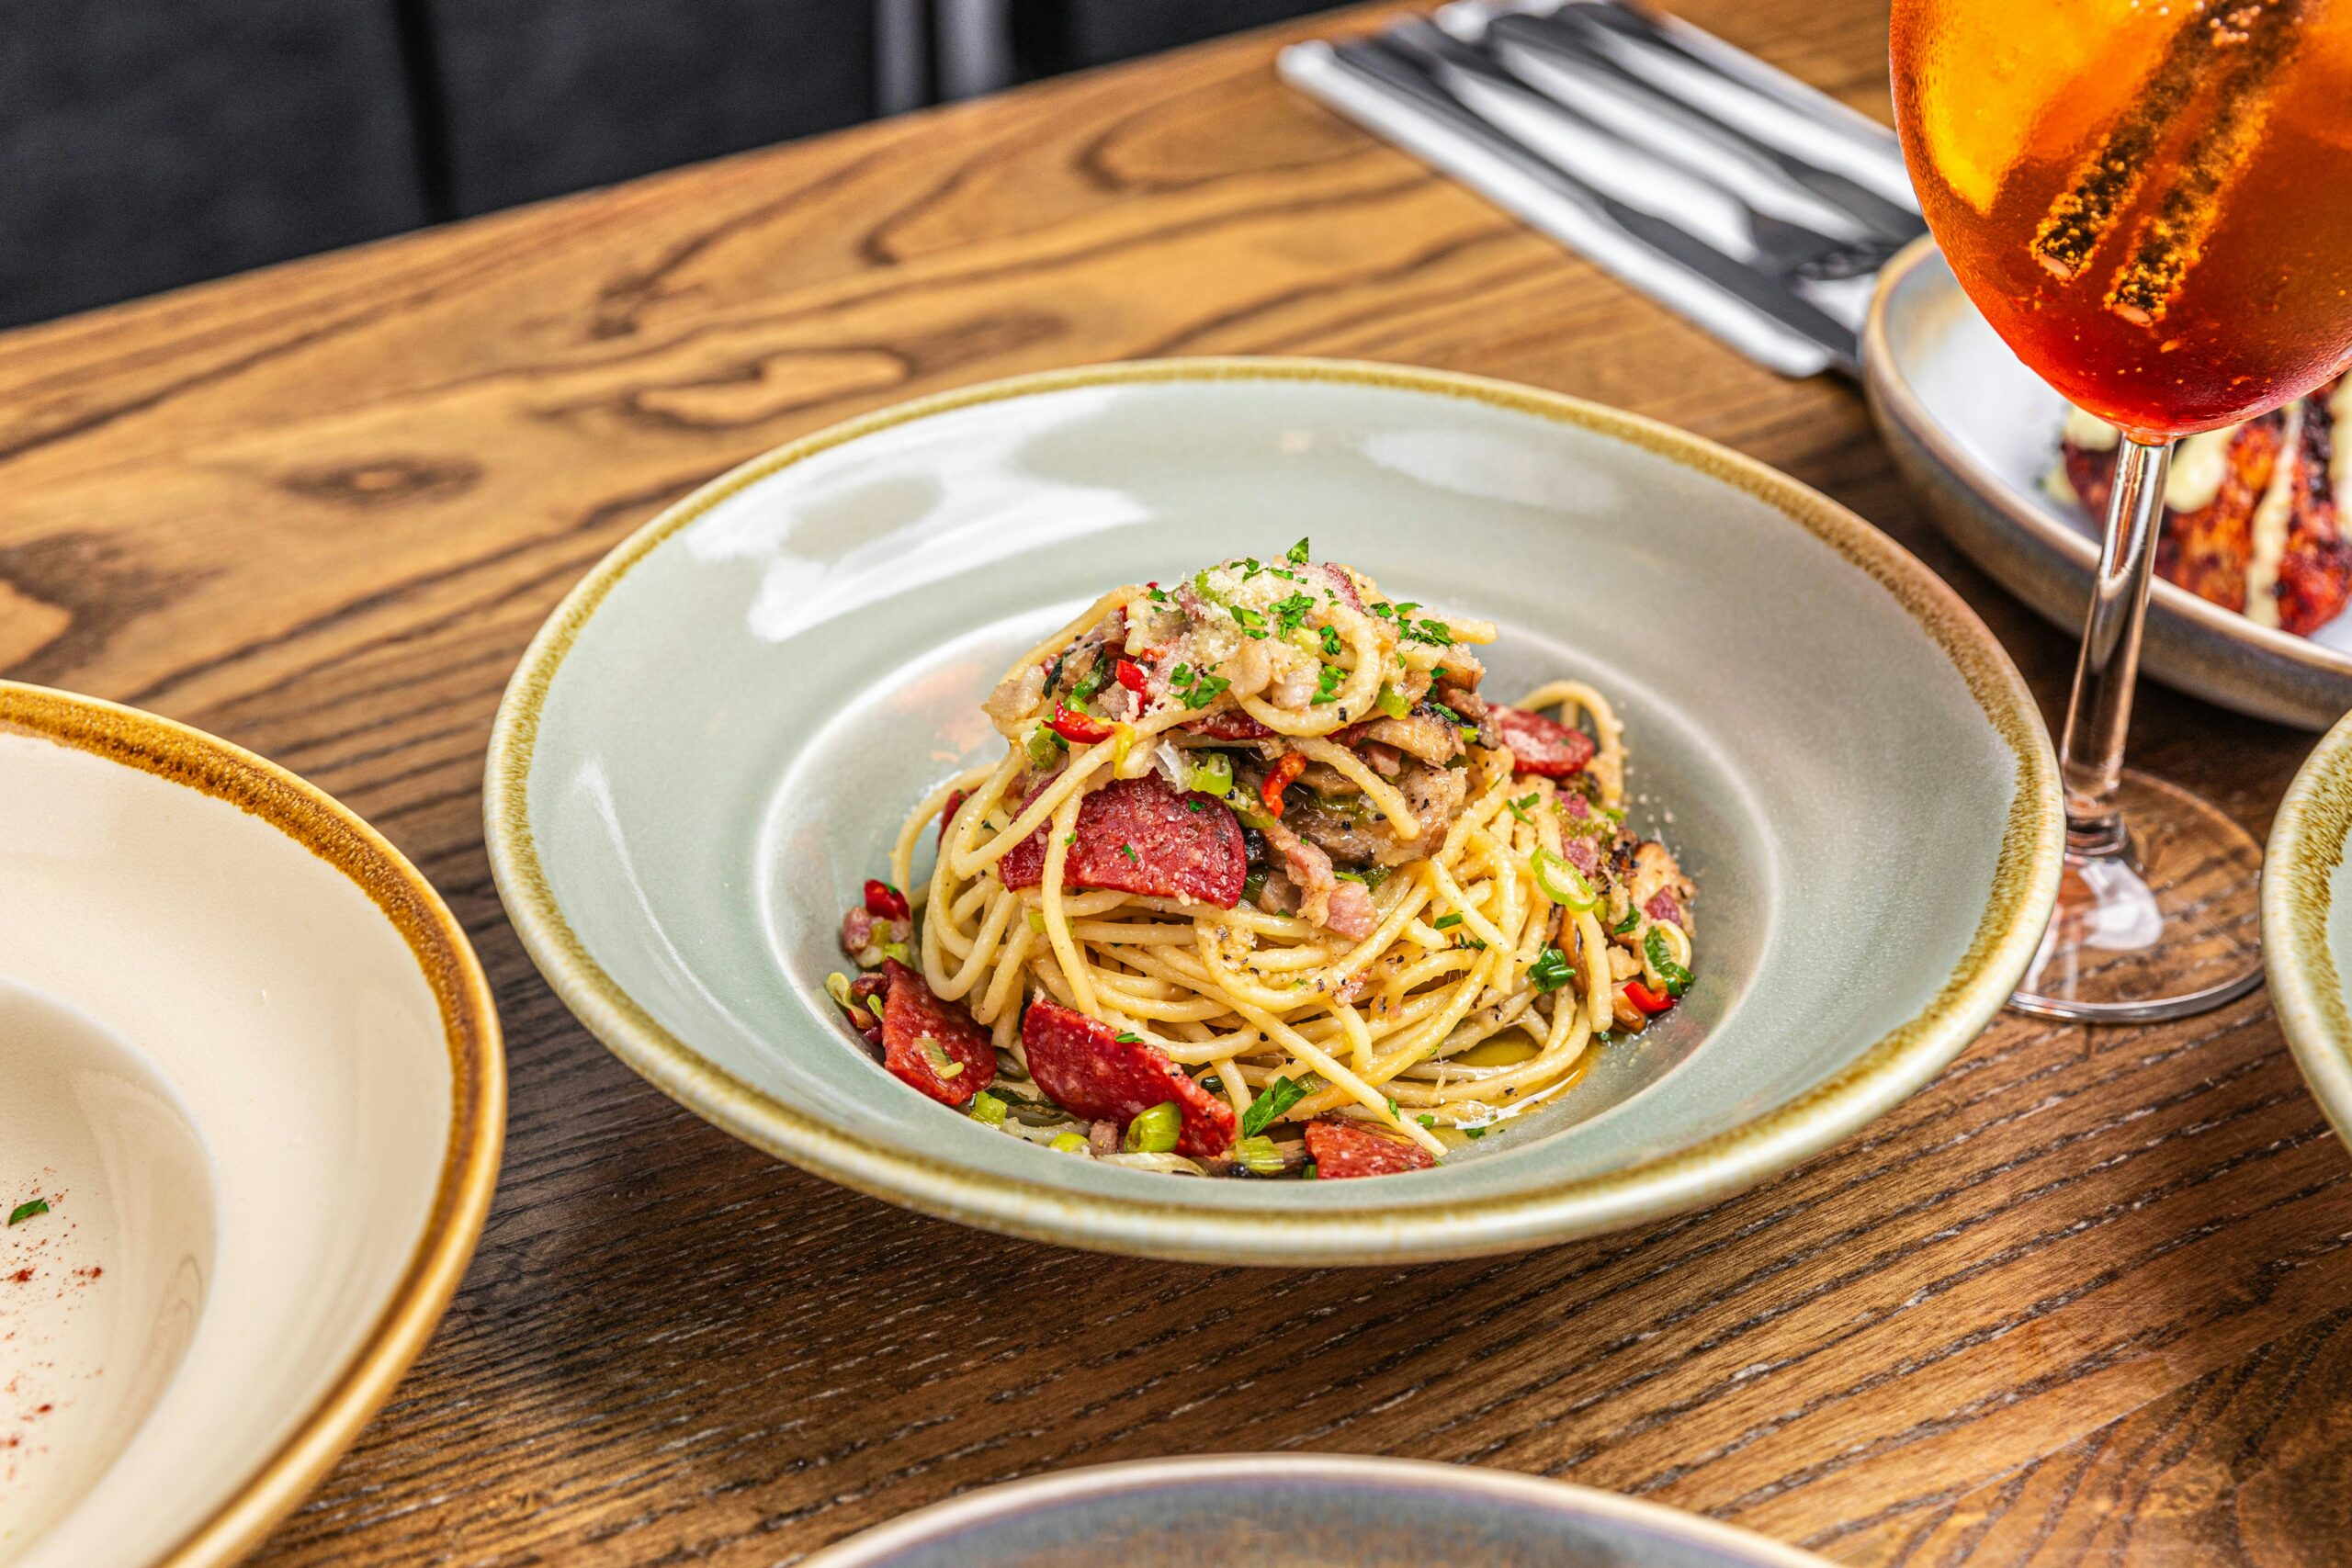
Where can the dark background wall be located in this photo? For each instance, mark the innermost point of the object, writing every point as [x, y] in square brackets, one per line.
[148, 144]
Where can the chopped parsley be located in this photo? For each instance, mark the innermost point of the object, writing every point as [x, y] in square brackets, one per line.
[1426, 1119]
[1474, 1132]
[1156, 594]
[1331, 647]
[1129, 1038]
[1296, 555]
[1327, 685]
[1519, 807]
[26, 1210]
[1069, 838]
[1653, 948]
[1129, 850]
[1446, 922]
[1251, 623]
[1469, 944]
[1291, 613]
[1632, 918]
[1249, 568]
[1279, 1097]
[1435, 633]
[1092, 681]
[1551, 970]
[1205, 691]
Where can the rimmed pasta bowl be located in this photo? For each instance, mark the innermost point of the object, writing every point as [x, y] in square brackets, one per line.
[2307, 928]
[255, 1102]
[717, 736]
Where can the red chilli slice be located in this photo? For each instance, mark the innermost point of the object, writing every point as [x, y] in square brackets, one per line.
[910, 1015]
[1340, 1151]
[948, 814]
[1540, 745]
[1089, 1071]
[1142, 836]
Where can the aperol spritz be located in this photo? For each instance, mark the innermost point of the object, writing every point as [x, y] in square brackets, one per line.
[2150, 201]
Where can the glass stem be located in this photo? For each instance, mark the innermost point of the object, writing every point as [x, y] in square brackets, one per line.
[2099, 715]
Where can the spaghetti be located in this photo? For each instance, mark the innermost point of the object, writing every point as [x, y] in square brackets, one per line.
[1263, 885]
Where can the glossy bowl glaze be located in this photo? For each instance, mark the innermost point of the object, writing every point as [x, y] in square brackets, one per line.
[253, 1069]
[716, 737]
[1975, 430]
[1302, 1511]
[2307, 922]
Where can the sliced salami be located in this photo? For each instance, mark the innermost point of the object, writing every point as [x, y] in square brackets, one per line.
[1340, 1151]
[915, 1023]
[1146, 837]
[1230, 724]
[1089, 1071]
[1541, 745]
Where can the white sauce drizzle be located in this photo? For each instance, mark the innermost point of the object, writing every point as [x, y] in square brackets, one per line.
[2269, 524]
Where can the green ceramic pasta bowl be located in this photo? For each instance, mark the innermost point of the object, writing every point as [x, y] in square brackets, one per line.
[2307, 922]
[713, 741]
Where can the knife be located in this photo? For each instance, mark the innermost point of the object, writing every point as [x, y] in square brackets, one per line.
[1759, 315]
[1767, 177]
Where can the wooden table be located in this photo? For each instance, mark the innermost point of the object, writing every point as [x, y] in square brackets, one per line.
[2088, 1297]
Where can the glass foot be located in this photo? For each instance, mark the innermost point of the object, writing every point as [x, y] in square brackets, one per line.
[2168, 928]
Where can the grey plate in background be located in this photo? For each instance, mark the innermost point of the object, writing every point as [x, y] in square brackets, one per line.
[1973, 431]
[1303, 1511]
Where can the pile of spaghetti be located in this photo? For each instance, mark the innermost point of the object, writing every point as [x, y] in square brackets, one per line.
[1263, 885]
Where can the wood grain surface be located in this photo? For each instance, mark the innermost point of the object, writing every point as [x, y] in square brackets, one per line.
[2089, 1298]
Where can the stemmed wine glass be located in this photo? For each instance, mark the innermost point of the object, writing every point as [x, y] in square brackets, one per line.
[2150, 201]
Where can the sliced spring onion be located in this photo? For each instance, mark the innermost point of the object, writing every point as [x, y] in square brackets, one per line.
[898, 950]
[1154, 1132]
[1045, 749]
[1253, 884]
[1551, 970]
[1392, 702]
[945, 1065]
[1258, 1156]
[988, 1110]
[1653, 948]
[1071, 1144]
[1036, 922]
[1211, 773]
[1562, 883]
[837, 988]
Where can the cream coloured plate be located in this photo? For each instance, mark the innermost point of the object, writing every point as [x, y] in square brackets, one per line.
[714, 740]
[253, 1069]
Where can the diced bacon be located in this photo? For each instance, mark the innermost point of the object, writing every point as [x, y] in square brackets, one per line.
[1230, 724]
[1662, 906]
[1342, 584]
[1580, 853]
[913, 1018]
[1340, 1152]
[1541, 745]
[1089, 1071]
[1350, 913]
[1144, 837]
